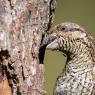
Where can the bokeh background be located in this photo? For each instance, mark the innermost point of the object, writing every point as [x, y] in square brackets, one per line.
[81, 12]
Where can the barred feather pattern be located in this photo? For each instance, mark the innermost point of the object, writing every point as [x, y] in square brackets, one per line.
[78, 76]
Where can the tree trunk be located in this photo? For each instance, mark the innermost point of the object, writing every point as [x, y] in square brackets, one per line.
[22, 25]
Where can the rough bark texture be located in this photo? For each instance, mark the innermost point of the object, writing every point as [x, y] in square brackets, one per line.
[22, 24]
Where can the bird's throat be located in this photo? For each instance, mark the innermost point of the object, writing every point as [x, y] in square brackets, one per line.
[79, 64]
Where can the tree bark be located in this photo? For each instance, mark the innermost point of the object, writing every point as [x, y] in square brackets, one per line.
[22, 25]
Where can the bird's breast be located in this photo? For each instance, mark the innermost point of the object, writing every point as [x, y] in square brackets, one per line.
[77, 80]
[79, 69]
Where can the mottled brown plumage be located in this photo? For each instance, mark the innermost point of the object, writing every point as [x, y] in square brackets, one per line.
[78, 77]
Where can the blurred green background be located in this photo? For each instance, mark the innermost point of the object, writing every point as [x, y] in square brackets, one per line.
[81, 12]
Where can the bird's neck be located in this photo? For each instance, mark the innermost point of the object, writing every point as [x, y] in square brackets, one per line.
[81, 58]
[79, 61]
[80, 55]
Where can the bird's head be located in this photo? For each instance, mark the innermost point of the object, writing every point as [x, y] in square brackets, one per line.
[69, 37]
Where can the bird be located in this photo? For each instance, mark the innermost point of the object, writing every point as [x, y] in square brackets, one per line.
[78, 75]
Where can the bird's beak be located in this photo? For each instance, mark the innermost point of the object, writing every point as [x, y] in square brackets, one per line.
[53, 45]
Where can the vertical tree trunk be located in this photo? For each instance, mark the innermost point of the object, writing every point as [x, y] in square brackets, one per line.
[22, 24]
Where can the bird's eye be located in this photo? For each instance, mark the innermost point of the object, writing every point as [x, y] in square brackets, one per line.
[62, 29]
